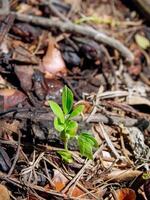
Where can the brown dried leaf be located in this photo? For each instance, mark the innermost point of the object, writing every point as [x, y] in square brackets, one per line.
[9, 127]
[24, 74]
[22, 54]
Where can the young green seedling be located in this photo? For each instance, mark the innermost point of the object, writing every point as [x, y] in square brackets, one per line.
[65, 124]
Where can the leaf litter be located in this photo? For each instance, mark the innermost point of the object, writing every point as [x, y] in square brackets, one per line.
[72, 43]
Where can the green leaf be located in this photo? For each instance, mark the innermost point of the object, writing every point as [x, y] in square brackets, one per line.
[58, 125]
[85, 148]
[71, 127]
[67, 100]
[143, 42]
[65, 155]
[89, 138]
[146, 175]
[86, 143]
[77, 111]
[57, 110]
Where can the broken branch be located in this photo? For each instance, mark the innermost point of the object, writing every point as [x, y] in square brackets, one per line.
[74, 28]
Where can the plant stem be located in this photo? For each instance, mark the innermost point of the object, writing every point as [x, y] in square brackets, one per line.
[66, 144]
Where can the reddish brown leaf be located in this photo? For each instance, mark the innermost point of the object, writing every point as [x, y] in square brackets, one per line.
[76, 192]
[10, 98]
[59, 180]
[125, 194]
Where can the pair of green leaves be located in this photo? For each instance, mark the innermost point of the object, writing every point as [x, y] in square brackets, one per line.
[64, 116]
[65, 155]
[64, 123]
[86, 143]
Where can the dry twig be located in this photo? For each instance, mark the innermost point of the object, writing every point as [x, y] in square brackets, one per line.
[16, 157]
[109, 143]
[77, 29]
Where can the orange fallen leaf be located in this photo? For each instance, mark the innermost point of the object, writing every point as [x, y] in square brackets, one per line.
[60, 182]
[4, 193]
[125, 194]
[53, 62]
[75, 191]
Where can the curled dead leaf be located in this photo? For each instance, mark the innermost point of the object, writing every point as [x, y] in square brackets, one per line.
[137, 100]
[87, 106]
[53, 62]
[123, 175]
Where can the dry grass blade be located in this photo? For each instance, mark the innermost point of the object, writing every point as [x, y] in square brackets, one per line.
[108, 141]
